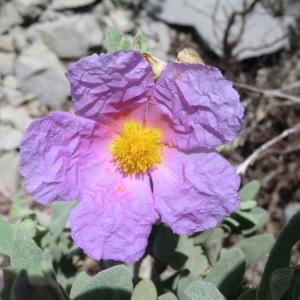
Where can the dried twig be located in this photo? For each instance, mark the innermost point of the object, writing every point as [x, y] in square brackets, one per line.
[241, 169]
[276, 93]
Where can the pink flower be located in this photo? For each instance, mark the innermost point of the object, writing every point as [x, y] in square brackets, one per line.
[136, 150]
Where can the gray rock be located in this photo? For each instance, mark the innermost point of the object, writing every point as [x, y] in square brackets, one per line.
[7, 61]
[30, 8]
[6, 43]
[41, 73]
[290, 210]
[67, 4]
[10, 81]
[162, 34]
[17, 117]
[9, 16]
[9, 172]
[263, 34]
[10, 138]
[11, 96]
[68, 37]
[121, 19]
[19, 38]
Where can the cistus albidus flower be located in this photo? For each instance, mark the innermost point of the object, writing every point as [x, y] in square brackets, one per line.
[137, 150]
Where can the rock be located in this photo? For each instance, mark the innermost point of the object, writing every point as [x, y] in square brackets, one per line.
[9, 16]
[30, 8]
[19, 38]
[161, 33]
[17, 117]
[262, 34]
[9, 173]
[67, 4]
[10, 138]
[121, 19]
[68, 37]
[6, 43]
[290, 210]
[10, 81]
[7, 61]
[11, 96]
[41, 73]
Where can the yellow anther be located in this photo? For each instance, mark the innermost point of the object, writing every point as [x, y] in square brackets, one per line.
[137, 148]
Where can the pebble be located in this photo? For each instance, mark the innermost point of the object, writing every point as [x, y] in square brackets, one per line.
[68, 37]
[10, 138]
[9, 16]
[7, 61]
[18, 117]
[9, 173]
[30, 8]
[67, 4]
[41, 74]
[6, 43]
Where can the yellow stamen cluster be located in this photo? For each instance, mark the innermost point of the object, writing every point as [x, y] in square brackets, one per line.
[137, 148]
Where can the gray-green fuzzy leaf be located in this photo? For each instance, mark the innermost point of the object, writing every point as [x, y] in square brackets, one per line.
[60, 214]
[167, 296]
[113, 283]
[6, 235]
[228, 272]
[115, 40]
[25, 254]
[250, 190]
[145, 289]
[200, 289]
[256, 246]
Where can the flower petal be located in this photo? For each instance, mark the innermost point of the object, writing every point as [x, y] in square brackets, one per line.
[194, 192]
[108, 83]
[115, 223]
[202, 107]
[60, 154]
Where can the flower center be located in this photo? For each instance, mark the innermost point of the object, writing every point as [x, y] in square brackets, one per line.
[137, 148]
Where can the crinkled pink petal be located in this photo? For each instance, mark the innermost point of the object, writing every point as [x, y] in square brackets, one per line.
[194, 192]
[104, 84]
[60, 155]
[116, 222]
[201, 106]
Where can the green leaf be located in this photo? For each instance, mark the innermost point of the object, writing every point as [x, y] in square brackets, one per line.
[6, 235]
[257, 246]
[260, 217]
[213, 245]
[9, 276]
[250, 190]
[228, 272]
[202, 237]
[115, 40]
[167, 296]
[60, 215]
[246, 205]
[280, 254]
[281, 280]
[81, 279]
[145, 289]
[200, 289]
[183, 280]
[114, 284]
[248, 295]
[140, 42]
[25, 254]
[189, 256]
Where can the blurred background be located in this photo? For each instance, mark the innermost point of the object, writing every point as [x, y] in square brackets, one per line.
[255, 44]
